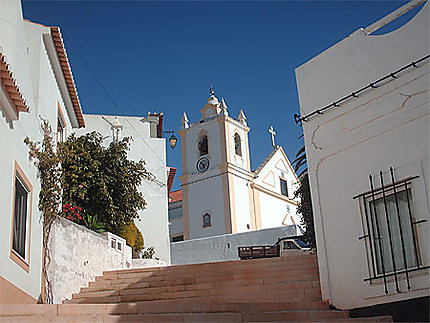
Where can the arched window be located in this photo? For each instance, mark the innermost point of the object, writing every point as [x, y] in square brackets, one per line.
[237, 145]
[206, 220]
[203, 145]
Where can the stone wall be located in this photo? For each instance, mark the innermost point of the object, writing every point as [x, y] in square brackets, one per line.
[224, 247]
[78, 255]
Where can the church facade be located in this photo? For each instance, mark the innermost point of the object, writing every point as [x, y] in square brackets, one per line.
[220, 193]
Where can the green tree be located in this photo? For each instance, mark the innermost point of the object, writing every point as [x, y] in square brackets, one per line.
[102, 180]
[303, 192]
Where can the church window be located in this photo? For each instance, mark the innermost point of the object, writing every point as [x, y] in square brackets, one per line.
[237, 145]
[203, 145]
[284, 187]
[206, 220]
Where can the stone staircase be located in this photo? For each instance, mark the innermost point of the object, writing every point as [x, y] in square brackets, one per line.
[259, 290]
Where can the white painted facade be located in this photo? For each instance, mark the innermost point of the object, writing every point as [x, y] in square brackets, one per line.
[385, 126]
[235, 198]
[145, 145]
[29, 52]
[224, 247]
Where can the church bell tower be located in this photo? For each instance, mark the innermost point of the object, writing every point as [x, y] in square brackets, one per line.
[215, 172]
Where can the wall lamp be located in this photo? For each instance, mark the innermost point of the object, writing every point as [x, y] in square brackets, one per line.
[172, 140]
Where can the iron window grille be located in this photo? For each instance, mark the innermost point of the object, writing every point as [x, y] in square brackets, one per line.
[390, 231]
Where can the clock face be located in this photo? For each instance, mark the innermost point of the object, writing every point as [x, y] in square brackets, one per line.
[203, 164]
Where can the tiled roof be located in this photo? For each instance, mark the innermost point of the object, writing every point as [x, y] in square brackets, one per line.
[175, 196]
[172, 172]
[11, 86]
[67, 73]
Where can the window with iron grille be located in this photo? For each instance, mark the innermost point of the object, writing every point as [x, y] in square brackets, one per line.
[387, 244]
[390, 228]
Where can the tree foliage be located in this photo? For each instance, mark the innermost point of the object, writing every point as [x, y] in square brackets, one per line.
[303, 192]
[102, 180]
[134, 238]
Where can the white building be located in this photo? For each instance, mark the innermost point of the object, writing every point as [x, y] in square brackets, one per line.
[35, 80]
[220, 193]
[147, 144]
[364, 106]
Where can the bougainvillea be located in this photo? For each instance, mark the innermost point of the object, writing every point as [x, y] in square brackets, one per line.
[72, 213]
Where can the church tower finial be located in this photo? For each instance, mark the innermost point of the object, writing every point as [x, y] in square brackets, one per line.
[184, 121]
[211, 90]
[242, 118]
[223, 107]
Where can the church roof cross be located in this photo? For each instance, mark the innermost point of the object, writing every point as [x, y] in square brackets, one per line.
[273, 134]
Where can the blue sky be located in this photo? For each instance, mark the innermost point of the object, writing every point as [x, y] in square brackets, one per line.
[162, 56]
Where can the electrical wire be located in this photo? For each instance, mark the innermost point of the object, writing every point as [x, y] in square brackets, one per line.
[103, 87]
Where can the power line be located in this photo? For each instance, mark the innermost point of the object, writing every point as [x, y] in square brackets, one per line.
[101, 85]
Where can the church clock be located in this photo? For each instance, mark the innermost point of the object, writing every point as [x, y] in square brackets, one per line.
[203, 164]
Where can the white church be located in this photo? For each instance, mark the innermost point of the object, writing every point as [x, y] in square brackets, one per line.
[220, 193]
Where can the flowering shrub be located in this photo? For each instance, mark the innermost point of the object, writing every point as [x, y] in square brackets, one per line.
[72, 213]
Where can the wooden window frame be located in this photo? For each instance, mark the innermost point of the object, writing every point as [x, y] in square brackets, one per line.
[19, 173]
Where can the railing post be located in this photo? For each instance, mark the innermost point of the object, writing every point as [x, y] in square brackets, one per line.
[405, 263]
[379, 234]
[389, 231]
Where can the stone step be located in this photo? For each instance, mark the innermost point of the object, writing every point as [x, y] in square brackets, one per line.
[232, 296]
[303, 274]
[193, 269]
[212, 267]
[198, 286]
[272, 283]
[134, 318]
[208, 273]
[179, 312]
[157, 307]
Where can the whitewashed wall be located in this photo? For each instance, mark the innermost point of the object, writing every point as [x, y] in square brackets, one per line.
[205, 197]
[383, 127]
[78, 255]
[22, 44]
[274, 207]
[176, 221]
[224, 247]
[154, 218]
[242, 203]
